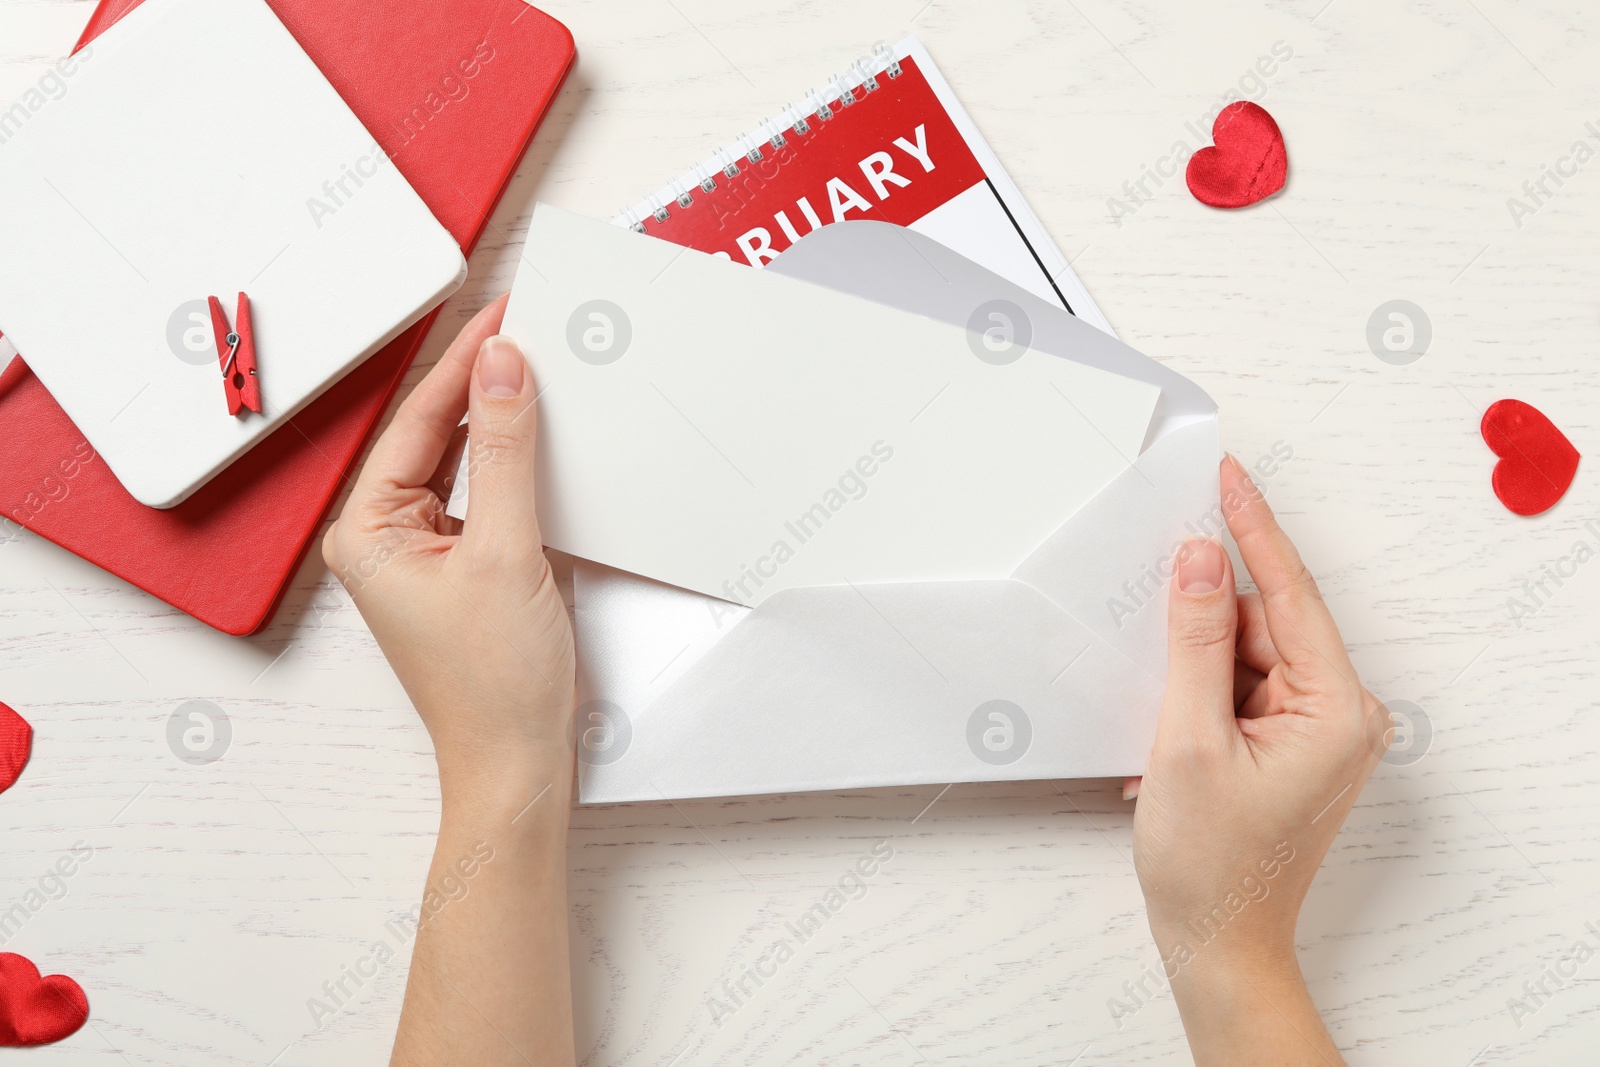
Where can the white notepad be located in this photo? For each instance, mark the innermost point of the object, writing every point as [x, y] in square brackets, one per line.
[198, 151]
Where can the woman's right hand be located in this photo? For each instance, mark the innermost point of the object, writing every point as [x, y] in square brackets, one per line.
[1266, 738]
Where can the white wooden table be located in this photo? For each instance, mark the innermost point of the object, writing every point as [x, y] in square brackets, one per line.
[220, 898]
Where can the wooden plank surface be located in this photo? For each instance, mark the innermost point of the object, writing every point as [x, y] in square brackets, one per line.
[1007, 927]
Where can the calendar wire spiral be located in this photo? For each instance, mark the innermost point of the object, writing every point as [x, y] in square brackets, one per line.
[815, 107]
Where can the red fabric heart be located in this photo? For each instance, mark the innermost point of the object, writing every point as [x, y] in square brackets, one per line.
[1249, 162]
[1537, 462]
[16, 741]
[35, 1010]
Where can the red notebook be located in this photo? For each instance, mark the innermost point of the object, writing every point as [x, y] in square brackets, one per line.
[453, 90]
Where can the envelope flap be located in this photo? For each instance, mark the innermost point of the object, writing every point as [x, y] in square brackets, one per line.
[903, 269]
[1109, 562]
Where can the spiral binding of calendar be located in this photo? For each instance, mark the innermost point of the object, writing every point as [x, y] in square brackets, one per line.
[841, 91]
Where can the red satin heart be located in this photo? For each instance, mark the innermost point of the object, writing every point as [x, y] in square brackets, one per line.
[1249, 162]
[16, 741]
[35, 1010]
[1537, 462]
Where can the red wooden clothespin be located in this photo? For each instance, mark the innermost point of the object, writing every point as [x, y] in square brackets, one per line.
[236, 353]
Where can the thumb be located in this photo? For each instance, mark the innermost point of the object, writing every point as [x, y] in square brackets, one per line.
[502, 424]
[1202, 621]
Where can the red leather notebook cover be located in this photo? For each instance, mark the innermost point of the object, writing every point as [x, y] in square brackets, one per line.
[453, 90]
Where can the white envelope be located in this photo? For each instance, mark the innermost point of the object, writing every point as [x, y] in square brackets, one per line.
[1051, 669]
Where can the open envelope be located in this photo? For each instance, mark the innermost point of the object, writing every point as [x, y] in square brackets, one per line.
[1048, 664]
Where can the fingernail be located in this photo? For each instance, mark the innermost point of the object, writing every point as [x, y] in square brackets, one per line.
[501, 369]
[1130, 788]
[1244, 472]
[1200, 568]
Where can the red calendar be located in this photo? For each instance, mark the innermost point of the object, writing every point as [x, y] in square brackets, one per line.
[886, 141]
